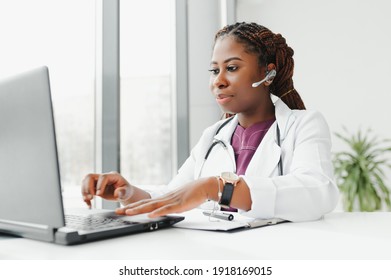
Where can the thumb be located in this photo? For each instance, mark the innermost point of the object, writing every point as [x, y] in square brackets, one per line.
[122, 193]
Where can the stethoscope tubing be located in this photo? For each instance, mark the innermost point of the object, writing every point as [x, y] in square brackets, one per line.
[216, 142]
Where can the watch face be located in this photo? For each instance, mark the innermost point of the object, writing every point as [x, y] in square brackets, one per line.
[229, 176]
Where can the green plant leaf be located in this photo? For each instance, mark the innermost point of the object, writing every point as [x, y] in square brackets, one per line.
[359, 171]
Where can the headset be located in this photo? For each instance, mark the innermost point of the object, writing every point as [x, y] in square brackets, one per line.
[269, 77]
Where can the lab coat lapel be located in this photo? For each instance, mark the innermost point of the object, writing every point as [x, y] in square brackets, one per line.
[221, 158]
[226, 133]
[284, 117]
[219, 161]
[266, 157]
[225, 156]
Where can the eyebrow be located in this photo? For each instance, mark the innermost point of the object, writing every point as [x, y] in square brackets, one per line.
[228, 60]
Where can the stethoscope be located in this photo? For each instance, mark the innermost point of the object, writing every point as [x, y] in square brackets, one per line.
[220, 142]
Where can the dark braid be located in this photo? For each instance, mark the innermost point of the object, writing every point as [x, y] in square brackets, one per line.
[270, 48]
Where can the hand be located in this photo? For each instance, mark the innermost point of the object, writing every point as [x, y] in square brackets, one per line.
[187, 197]
[110, 186]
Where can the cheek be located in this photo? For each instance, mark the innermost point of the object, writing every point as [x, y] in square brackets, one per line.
[248, 94]
[245, 87]
[244, 81]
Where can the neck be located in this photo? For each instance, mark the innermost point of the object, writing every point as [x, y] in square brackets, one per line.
[247, 119]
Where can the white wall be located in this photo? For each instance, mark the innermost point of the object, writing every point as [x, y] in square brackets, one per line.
[342, 56]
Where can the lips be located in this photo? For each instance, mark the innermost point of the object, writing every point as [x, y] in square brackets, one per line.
[224, 98]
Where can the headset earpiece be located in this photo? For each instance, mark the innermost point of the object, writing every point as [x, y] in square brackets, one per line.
[268, 78]
[270, 75]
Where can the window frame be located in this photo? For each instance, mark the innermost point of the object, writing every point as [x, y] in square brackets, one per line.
[108, 146]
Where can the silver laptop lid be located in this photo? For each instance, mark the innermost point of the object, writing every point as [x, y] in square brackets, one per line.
[30, 191]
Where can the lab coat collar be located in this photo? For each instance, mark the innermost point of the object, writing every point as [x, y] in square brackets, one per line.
[284, 116]
[226, 133]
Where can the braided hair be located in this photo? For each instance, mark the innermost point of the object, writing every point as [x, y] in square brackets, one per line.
[270, 48]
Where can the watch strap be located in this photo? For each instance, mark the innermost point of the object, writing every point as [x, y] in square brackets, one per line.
[226, 195]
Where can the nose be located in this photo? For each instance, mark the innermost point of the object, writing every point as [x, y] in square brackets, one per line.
[219, 81]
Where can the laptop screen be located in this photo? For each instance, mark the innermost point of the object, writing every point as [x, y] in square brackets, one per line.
[30, 190]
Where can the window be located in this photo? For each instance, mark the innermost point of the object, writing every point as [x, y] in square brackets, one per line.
[61, 35]
[146, 109]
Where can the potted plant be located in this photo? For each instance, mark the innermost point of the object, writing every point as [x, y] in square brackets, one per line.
[360, 172]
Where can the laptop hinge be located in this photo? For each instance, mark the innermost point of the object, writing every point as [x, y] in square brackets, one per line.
[28, 230]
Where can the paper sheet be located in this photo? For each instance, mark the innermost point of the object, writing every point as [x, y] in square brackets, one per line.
[195, 219]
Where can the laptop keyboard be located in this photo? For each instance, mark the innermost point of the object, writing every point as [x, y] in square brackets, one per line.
[94, 222]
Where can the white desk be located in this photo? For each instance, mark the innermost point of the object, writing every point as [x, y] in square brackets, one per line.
[337, 236]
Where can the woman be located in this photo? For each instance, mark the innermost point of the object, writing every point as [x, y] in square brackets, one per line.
[280, 151]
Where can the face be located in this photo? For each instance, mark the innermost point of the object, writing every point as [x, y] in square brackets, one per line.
[233, 71]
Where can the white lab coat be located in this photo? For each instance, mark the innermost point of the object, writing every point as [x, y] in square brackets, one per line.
[306, 190]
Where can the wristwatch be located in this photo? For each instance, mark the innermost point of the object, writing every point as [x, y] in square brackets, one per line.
[229, 181]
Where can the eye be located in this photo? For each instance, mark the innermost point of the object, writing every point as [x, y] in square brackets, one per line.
[232, 68]
[214, 71]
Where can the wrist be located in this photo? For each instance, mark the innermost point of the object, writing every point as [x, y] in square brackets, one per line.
[214, 188]
[230, 181]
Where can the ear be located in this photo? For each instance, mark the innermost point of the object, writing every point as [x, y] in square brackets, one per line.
[270, 66]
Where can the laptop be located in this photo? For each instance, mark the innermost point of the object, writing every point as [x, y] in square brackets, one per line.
[31, 203]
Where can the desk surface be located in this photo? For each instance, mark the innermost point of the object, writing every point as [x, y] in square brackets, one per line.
[338, 236]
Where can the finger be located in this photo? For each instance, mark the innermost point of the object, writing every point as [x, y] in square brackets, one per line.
[101, 184]
[88, 202]
[138, 203]
[122, 210]
[165, 210]
[165, 199]
[105, 180]
[145, 207]
[88, 183]
[92, 184]
[88, 188]
[111, 179]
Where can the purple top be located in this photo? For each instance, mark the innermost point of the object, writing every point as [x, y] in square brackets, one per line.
[245, 142]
